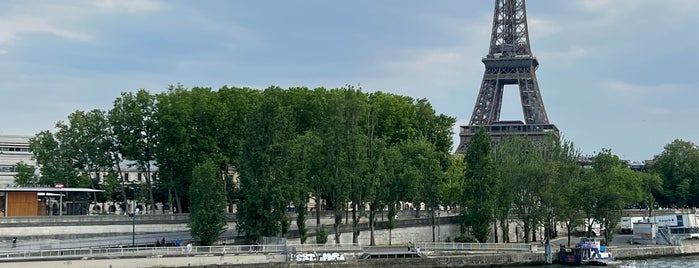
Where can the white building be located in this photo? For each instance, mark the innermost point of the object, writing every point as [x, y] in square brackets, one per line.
[13, 149]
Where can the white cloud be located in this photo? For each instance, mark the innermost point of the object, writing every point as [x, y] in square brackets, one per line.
[3, 52]
[129, 5]
[67, 19]
[626, 87]
[650, 100]
[623, 11]
[561, 57]
[539, 27]
[12, 28]
[417, 72]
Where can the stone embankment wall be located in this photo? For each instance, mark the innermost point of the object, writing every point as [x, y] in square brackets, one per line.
[69, 227]
[407, 229]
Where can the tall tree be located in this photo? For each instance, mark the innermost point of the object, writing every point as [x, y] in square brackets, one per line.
[135, 127]
[208, 206]
[54, 161]
[566, 186]
[333, 157]
[356, 166]
[453, 186]
[678, 166]
[508, 158]
[423, 159]
[88, 141]
[236, 106]
[480, 190]
[303, 168]
[266, 191]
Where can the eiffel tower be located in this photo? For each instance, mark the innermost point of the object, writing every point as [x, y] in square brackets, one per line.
[509, 62]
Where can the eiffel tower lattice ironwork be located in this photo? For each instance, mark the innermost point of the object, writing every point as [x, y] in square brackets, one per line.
[509, 62]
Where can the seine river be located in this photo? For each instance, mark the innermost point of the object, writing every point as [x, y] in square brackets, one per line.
[668, 262]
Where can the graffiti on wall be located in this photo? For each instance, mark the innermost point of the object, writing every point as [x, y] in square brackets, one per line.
[318, 257]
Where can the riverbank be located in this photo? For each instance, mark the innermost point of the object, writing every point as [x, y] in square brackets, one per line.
[475, 257]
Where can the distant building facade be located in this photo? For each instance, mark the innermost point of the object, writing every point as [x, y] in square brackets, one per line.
[13, 149]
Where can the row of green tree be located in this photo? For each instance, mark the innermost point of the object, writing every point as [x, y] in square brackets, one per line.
[345, 148]
[540, 182]
[350, 151]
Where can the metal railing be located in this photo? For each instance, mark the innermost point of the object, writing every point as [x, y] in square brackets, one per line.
[132, 252]
[472, 246]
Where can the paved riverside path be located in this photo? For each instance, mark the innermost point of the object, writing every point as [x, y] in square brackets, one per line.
[194, 261]
[95, 242]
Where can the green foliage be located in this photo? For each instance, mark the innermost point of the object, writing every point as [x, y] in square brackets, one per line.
[678, 166]
[321, 235]
[339, 146]
[111, 186]
[134, 125]
[480, 194]
[465, 239]
[54, 160]
[25, 175]
[615, 186]
[453, 186]
[207, 209]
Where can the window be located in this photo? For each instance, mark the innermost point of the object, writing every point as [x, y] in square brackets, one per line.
[7, 168]
[126, 176]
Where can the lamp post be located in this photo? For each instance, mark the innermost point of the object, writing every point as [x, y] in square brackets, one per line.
[133, 228]
[439, 217]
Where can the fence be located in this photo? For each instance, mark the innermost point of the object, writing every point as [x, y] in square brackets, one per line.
[437, 246]
[132, 252]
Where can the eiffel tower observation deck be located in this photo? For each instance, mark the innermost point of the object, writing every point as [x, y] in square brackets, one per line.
[509, 62]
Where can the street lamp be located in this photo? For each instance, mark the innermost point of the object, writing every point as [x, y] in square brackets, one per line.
[439, 217]
[133, 227]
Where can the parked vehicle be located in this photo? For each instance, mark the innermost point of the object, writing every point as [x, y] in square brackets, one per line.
[628, 222]
[683, 220]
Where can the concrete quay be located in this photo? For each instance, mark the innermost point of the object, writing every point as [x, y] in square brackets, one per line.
[471, 258]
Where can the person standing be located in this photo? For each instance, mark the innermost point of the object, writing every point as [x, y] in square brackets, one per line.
[14, 242]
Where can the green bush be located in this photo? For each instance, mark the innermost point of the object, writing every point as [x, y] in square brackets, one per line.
[321, 235]
[464, 239]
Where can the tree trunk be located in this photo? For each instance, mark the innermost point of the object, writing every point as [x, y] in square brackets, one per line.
[337, 211]
[121, 183]
[569, 228]
[505, 230]
[372, 218]
[177, 200]
[338, 221]
[318, 200]
[533, 234]
[229, 201]
[495, 229]
[433, 224]
[150, 188]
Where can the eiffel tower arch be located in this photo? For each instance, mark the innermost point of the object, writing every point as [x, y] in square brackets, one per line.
[509, 62]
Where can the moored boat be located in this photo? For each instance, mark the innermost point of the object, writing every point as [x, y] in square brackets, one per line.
[588, 252]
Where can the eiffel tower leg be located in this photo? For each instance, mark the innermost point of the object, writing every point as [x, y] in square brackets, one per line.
[532, 104]
[488, 103]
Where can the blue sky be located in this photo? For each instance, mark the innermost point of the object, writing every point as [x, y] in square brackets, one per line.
[617, 74]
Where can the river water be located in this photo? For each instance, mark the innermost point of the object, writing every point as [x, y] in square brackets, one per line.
[665, 262]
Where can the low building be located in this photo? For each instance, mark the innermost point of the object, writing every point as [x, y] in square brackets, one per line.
[13, 149]
[42, 201]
